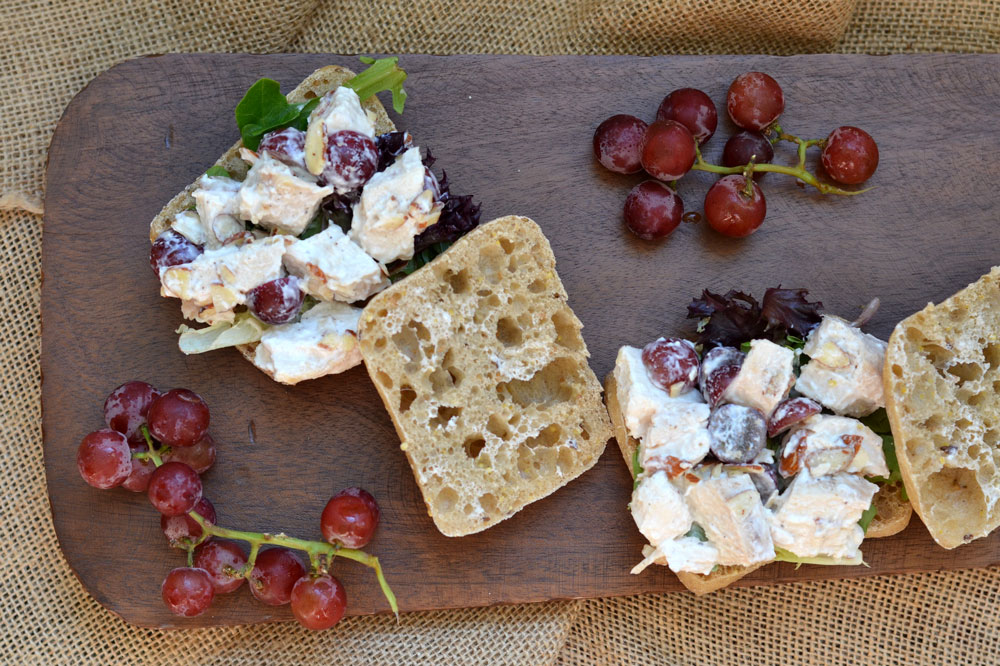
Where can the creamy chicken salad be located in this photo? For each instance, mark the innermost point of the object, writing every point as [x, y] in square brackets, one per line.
[754, 454]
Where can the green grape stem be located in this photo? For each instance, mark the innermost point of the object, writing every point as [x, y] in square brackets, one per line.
[321, 554]
[798, 171]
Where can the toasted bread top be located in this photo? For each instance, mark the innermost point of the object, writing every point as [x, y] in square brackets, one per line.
[481, 365]
[942, 375]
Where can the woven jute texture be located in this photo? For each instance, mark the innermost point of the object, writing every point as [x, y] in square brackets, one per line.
[50, 49]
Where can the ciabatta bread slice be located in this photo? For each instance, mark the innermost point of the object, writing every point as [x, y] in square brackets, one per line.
[481, 365]
[942, 390]
[316, 84]
[893, 513]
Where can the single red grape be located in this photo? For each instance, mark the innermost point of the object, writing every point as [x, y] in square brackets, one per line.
[318, 603]
[125, 408]
[693, 109]
[177, 529]
[745, 146]
[199, 457]
[287, 145]
[730, 211]
[789, 412]
[171, 249]
[754, 100]
[618, 143]
[668, 150]
[274, 575]
[187, 591]
[350, 518]
[850, 155]
[104, 459]
[217, 558]
[142, 471]
[672, 364]
[719, 368]
[652, 210]
[174, 489]
[179, 417]
[738, 433]
[351, 159]
[277, 301]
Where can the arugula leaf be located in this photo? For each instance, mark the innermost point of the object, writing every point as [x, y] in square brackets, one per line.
[262, 109]
[382, 74]
[868, 516]
[218, 172]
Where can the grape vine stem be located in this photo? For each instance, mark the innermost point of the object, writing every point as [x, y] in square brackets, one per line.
[320, 553]
[799, 171]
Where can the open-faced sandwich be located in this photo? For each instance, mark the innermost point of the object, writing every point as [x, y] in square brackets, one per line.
[770, 444]
[320, 205]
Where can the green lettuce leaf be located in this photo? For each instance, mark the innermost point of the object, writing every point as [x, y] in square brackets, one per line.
[697, 531]
[245, 329]
[782, 555]
[878, 421]
[382, 74]
[868, 516]
[218, 172]
[636, 468]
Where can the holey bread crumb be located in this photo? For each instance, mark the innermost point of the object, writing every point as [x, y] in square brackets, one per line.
[481, 365]
[942, 380]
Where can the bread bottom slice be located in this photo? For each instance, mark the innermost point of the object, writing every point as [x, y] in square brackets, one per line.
[316, 84]
[893, 513]
[480, 363]
[942, 389]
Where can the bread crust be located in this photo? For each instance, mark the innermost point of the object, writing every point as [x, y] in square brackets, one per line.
[316, 84]
[942, 364]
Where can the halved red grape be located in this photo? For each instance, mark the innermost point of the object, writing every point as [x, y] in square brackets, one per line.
[199, 457]
[287, 145]
[668, 150]
[104, 459]
[719, 368]
[172, 249]
[738, 433]
[745, 146]
[618, 143]
[850, 155]
[351, 159]
[142, 471]
[789, 412]
[652, 210]
[672, 364]
[730, 211]
[183, 528]
[179, 417]
[693, 109]
[350, 518]
[222, 560]
[126, 407]
[187, 591]
[754, 100]
[277, 301]
[174, 489]
[318, 603]
[274, 575]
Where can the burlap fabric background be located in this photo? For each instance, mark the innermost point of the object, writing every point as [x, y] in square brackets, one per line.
[49, 49]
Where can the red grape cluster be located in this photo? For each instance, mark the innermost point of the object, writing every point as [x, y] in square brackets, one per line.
[158, 443]
[669, 147]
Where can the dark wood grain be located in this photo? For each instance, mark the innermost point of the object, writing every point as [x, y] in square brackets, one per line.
[516, 132]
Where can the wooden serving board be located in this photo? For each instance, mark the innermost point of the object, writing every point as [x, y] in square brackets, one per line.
[516, 132]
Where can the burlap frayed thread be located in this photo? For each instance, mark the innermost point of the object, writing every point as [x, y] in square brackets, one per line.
[50, 50]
